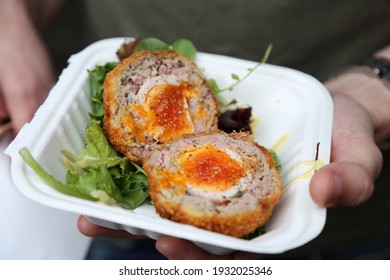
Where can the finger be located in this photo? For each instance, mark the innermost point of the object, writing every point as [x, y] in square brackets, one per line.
[89, 229]
[180, 249]
[23, 99]
[4, 115]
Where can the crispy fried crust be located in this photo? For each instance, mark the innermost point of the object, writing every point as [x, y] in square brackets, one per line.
[175, 199]
[137, 119]
[236, 225]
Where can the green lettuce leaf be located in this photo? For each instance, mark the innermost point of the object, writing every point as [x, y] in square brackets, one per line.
[96, 79]
[151, 44]
[49, 179]
[186, 47]
[101, 172]
[97, 149]
[133, 184]
[96, 182]
[183, 46]
[275, 158]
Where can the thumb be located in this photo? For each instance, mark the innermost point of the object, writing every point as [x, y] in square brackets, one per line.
[341, 183]
[355, 158]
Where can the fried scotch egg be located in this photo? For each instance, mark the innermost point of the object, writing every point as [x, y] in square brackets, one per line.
[226, 183]
[154, 97]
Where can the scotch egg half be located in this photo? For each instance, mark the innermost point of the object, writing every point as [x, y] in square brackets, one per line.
[153, 97]
[221, 182]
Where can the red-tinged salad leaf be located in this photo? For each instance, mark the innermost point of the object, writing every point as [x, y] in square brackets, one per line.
[238, 119]
[127, 48]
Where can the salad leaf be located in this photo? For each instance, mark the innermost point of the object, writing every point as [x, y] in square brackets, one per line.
[183, 46]
[97, 149]
[256, 233]
[127, 48]
[214, 86]
[98, 173]
[133, 184]
[275, 158]
[237, 119]
[186, 47]
[151, 44]
[104, 174]
[96, 79]
[96, 182]
[48, 179]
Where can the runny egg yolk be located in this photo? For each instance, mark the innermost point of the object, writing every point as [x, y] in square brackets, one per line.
[210, 168]
[167, 109]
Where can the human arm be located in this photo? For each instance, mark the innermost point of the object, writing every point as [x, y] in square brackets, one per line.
[361, 122]
[26, 72]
